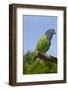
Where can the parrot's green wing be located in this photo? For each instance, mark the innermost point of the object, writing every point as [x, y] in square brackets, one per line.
[43, 44]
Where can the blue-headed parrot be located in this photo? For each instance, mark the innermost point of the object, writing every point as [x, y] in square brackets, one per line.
[44, 42]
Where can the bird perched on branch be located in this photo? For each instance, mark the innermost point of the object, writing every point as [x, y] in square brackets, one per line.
[44, 42]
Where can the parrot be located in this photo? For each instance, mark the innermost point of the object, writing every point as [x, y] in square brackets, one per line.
[44, 42]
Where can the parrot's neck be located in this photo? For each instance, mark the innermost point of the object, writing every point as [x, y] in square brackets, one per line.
[49, 37]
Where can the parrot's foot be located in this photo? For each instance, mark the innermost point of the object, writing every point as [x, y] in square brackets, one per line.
[47, 55]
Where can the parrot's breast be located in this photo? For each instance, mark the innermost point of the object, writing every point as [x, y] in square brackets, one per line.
[43, 44]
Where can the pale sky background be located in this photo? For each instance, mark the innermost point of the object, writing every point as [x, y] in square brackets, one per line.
[34, 27]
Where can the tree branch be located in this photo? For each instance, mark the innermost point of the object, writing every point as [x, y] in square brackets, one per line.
[47, 58]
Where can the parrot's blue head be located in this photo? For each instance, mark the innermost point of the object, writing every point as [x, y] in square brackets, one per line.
[49, 33]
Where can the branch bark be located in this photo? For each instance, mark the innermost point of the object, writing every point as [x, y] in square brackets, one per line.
[47, 58]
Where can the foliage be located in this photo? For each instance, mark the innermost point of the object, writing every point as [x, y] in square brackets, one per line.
[37, 66]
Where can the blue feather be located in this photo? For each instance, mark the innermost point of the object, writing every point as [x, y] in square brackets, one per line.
[49, 34]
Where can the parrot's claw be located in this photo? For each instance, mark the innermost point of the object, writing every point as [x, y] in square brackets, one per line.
[47, 55]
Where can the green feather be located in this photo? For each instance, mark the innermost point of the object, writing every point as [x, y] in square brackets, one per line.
[43, 44]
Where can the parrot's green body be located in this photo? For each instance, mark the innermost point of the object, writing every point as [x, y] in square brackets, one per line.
[43, 44]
